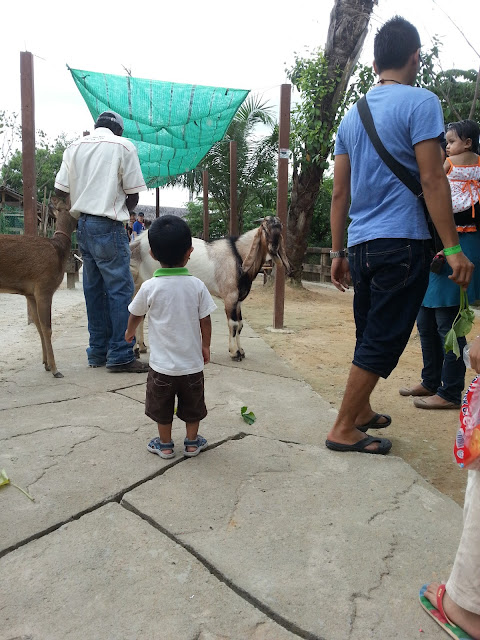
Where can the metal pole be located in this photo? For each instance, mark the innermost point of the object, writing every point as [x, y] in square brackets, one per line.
[28, 144]
[282, 200]
[233, 189]
[157, 202]
[206, 221]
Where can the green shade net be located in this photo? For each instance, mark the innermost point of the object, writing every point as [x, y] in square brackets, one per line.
[172, 125]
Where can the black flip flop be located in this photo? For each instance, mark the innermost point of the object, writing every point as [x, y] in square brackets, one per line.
[383, 447]
[374, 424]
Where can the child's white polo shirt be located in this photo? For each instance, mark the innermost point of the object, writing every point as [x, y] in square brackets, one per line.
[175, 305]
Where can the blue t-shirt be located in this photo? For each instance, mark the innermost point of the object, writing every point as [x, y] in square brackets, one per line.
[382, 206]
[138, 227]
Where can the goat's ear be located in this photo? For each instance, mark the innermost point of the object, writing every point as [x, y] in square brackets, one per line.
[249, 261]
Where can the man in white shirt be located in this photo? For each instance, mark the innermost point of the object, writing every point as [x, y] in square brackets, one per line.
[101, 173]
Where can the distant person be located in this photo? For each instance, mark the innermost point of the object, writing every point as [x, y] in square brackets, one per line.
[443, 374]
[138, 225]
[388, 238]
[179, 329]
[129, 225]
[102, 174]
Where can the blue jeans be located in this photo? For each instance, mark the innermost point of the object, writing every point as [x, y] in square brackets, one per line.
[108, 288]
[442, 373]
[390, 277]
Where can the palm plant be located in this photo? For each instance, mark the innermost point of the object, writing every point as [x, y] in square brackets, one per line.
[256, 164]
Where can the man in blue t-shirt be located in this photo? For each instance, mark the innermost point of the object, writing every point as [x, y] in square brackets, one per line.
[388, 238]
[138, 225]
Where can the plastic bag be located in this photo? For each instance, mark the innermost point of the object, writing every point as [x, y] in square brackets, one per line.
[467, 443]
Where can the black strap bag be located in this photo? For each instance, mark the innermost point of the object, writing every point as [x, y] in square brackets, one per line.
[398, 169]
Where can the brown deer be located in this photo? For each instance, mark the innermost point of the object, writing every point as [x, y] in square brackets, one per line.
[33, 267]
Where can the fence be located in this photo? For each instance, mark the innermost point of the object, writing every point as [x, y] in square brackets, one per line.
[317, 265]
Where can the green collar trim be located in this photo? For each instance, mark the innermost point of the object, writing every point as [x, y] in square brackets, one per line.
[174, 271]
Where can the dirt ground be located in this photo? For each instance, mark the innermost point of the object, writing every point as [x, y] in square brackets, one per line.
[320, 348]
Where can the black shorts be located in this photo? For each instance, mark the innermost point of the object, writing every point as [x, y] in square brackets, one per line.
[161, 393]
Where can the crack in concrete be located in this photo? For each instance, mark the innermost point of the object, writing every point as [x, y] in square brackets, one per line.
[116, 497]
[393, 544]
[39, 404]
[58, 457]
[66, 426]
[395, 502]
[212, 569]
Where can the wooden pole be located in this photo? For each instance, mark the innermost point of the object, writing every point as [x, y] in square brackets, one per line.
[282, 200]
[206, 220]
[233, 189]
[28, 144]
[157, 202]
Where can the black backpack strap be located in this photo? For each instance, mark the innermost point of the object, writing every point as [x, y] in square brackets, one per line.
[402, 173]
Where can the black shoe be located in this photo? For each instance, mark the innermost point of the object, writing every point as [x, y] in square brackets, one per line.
[135, 366]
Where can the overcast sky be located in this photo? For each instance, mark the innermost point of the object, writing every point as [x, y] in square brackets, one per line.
[245, 46]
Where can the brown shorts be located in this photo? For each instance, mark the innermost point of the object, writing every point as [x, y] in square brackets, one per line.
[161, 393]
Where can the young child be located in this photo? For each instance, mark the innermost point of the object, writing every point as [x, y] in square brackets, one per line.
[179, 327]
[463, 172]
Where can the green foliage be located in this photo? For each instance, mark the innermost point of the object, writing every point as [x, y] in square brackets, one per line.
[320, 233]
[218, 220]
[48, 158]
[462, 325]
[455, 88]
[310, 137]
[256, 169]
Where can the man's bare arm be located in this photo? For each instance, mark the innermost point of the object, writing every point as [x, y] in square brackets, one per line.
[340, 272]
[131, 201]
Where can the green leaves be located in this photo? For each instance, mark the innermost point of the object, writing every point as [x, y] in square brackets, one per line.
[4, 480]
[248, 417]
[462, 325]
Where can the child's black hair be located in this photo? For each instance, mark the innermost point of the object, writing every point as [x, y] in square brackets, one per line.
[394, 44]
[466, 129]
[170, 238]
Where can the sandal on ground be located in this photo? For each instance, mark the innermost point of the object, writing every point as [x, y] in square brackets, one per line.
[200, 443]
[155, 446]
[433, 403]
[384, 445]
[439, 616]
[375, 424]
[417, 390]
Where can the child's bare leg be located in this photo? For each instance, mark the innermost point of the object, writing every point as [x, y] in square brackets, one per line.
[466, 620]
[165, 433]
[192, 432]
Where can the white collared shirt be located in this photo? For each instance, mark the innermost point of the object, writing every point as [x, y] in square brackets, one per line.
[99, 171]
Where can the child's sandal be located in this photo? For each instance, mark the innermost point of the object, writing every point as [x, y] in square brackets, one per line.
[155, 446]
[200, 443]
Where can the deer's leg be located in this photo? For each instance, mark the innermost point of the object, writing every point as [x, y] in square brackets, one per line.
[231, 303]
[44, 308]
[32, 308]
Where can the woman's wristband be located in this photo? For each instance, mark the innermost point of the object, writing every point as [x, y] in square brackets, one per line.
[449, 251]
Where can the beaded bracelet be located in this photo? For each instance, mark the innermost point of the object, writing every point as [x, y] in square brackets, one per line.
[451, 250]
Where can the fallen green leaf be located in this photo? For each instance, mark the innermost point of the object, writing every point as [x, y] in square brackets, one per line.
[4, 480]
[248, 417]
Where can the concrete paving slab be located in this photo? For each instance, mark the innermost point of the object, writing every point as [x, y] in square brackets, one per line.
[74, 455]
[110, 575]
[326, 541]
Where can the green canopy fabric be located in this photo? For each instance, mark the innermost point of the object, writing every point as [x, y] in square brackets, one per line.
[172, 125]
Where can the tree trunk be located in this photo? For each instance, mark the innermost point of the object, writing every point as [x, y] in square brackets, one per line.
[346, 34]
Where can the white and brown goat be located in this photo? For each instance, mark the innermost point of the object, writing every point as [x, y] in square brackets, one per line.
[34, 266]
[227, 267]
